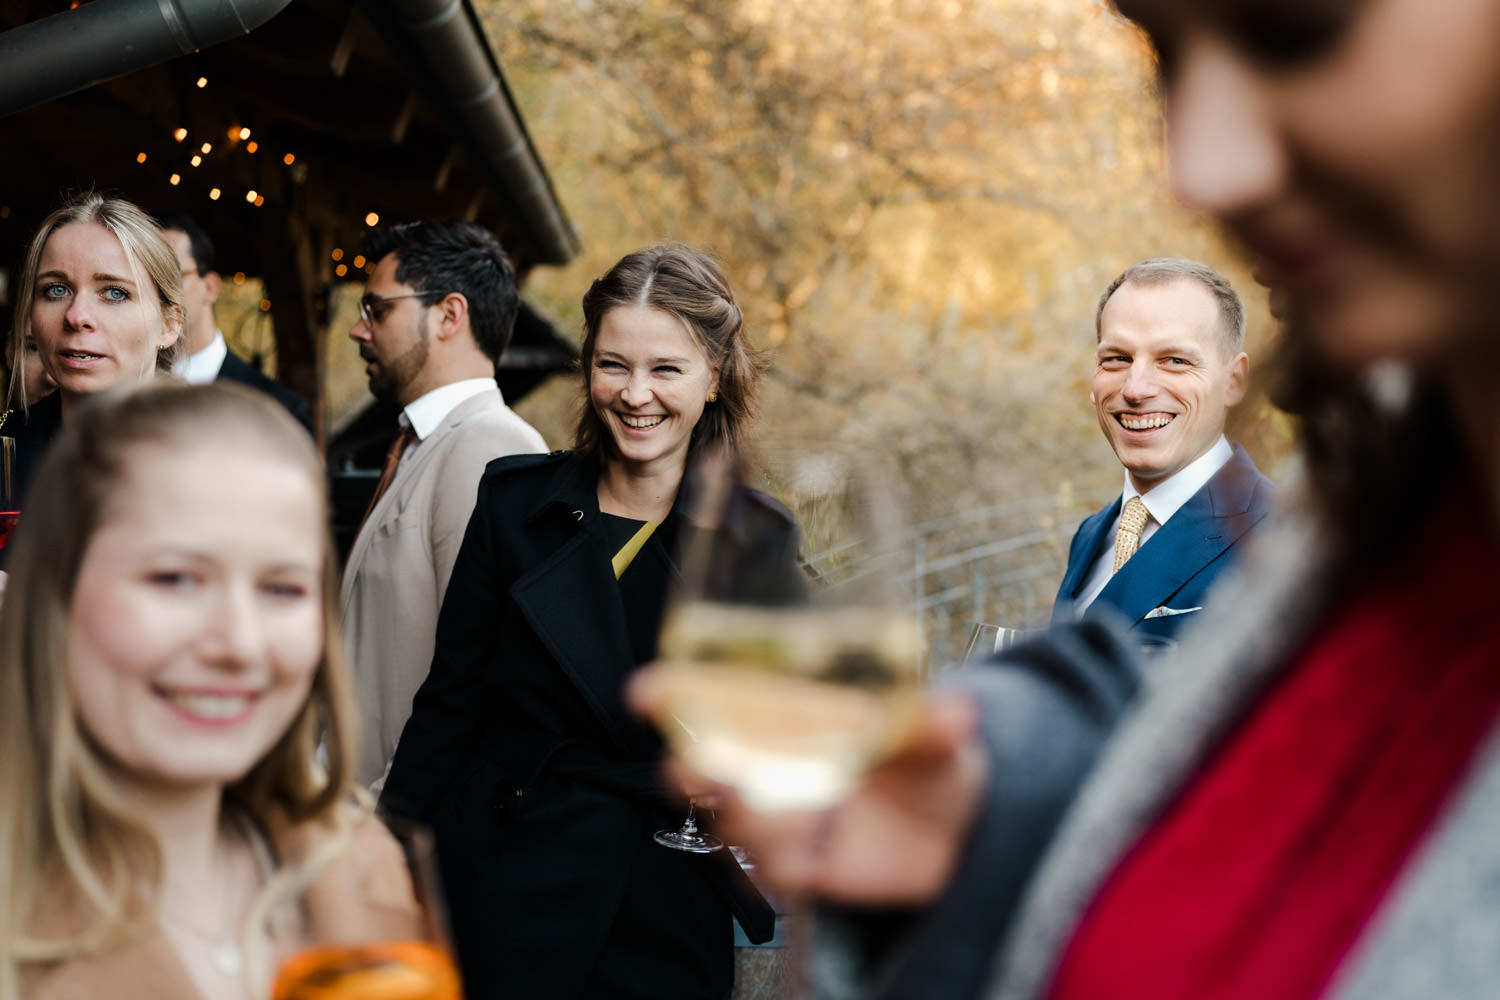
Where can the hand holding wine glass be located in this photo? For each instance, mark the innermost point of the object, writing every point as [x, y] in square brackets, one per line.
[892, 840]
[784, 684]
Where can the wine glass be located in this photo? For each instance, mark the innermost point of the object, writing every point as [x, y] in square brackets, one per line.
[985, 640]
[687, 838]
[337, 951]
[780, 676]
[10, 513]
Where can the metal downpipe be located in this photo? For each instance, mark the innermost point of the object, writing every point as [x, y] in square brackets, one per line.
[69, 51]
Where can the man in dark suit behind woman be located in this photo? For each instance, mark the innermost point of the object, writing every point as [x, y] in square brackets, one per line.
[206, 357]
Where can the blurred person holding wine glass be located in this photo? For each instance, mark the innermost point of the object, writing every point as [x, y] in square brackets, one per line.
[177, 718]
[542, 789]
[100, 296]
[1306, 805]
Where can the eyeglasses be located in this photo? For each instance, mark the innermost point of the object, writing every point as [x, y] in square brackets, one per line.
[369, 304]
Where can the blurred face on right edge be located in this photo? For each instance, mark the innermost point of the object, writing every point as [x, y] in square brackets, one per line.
[1353, 146]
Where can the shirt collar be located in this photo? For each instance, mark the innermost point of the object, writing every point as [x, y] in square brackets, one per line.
[203, 366]
[427, 411]
[1165, 499]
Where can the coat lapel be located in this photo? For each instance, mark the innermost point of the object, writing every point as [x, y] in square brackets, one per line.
[572, 599]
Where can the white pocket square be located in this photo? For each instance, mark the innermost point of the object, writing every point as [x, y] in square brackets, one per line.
[1166, 612]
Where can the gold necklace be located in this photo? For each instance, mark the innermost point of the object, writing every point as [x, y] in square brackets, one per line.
[224, 953]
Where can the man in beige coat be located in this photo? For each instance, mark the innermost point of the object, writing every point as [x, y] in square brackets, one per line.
[437, 312]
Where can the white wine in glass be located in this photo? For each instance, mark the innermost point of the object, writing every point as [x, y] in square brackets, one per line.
[789, 692]
[788, 705]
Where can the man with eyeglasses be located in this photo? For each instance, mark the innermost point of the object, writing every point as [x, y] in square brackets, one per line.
[207, 358]
[437, 313]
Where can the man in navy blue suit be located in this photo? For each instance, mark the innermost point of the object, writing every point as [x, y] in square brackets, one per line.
[1170, 366]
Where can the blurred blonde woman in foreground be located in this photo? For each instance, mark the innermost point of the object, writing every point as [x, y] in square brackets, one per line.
[168, 667]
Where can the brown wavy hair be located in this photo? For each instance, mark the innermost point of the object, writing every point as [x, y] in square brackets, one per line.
[690, 285]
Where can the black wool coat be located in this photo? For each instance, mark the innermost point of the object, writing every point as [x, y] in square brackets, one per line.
[543, 790]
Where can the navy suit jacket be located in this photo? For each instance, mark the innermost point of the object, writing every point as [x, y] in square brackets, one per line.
[1161, 588]
[237, 369]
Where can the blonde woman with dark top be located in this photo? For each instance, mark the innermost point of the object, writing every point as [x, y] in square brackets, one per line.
[98, 304]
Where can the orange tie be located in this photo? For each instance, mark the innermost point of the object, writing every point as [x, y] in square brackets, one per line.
[392, 459]
[1128, 538]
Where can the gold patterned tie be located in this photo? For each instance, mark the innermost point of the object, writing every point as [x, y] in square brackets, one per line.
[1128, 538]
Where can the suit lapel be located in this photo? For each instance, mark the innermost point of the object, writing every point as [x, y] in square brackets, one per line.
[1092, 536]
[409, 477]
[1179, 549]
[1210, 522]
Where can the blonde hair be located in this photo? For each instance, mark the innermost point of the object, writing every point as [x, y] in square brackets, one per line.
[151, 258]
[68, 845]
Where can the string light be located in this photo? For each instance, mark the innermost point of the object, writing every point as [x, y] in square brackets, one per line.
[239, 277]
[180, 134]
[174, 180]
[213, 194]
[244, 134]
[289, 159]
[251, 146]
[359, 261]
[207, 148]
[250, 197]
[341, 270]
[196, 160]
[338, 253]
[265, 305]
[202, 82]
[140, 157]
[373, 219]
[260, 200]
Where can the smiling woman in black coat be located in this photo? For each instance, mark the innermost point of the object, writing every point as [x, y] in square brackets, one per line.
[542, 788]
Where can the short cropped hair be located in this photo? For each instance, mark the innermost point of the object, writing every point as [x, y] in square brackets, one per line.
[1164, 270]
[205, 258]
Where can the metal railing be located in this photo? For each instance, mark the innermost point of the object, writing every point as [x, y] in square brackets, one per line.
[999, 564]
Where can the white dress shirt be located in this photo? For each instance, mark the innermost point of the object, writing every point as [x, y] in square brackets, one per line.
[1162, 501]
[425, 413]
[203, 366]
